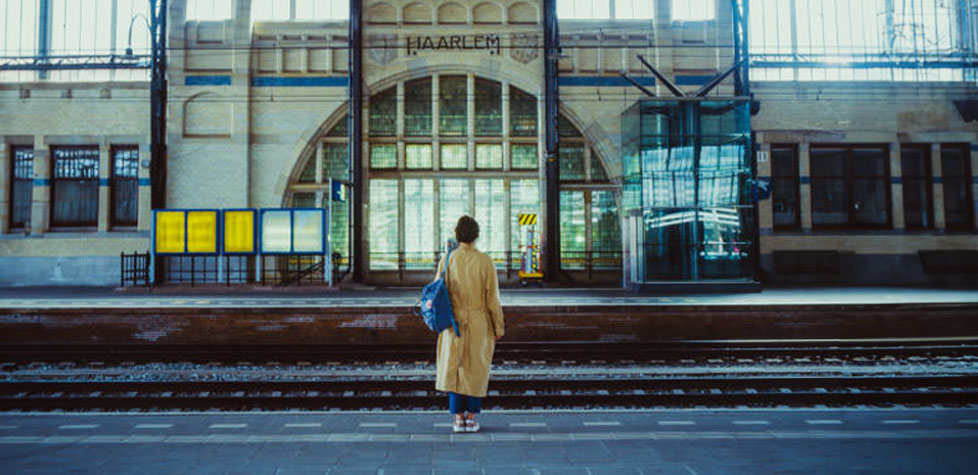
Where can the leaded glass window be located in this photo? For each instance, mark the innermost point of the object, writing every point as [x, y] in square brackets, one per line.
[383, 156]
[784, 188]
[336, 161]
[74, 187]
[490, 213]
[488, 107]
[454, 156]
[308, 174]
[23, 186]
[383, 226]
[605, 234]
[488, 156]
[417, 107]
[523, 157]
[383, 114]
[850, 187]
[524, 198]
[125, 185]
[304, 200]
[571, 162]
[454, 196]
[453, 105]
[522, 113]
[830, 195]
[572, 230]
[418, 156]
[597, 170]
[419, 241]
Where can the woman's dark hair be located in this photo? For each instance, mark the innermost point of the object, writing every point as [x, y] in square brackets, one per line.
[467, 230]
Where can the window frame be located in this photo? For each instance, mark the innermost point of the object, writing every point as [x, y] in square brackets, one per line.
[849, 179]
[77, 224]
[12, 176]
[796, 186]
[967, 178]
[927, 179]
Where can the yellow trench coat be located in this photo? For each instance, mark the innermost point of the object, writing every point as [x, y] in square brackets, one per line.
[463, 362]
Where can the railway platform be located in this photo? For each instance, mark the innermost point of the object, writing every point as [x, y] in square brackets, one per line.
[94, 316]
[896, 440]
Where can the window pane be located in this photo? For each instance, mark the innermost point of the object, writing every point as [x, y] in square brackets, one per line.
[828, 162]
[383, 113]
[524, 199]
[322, 10]
[869, 162]
[125, 186]
[523, 113]
[953, 162]
[488, 107]
[523, 157]
[870, 205]
[634, 9]
[208, 9]
[263, 10]
[571, 158]
[784, 183]
[572, 236]
[915, 166]
[418, 156]
[454, 201]
[23, 186]
[303, 200]
[419, 241]
[308, 174]
[489, 156]
[454, 156]
[830, 202]
[605, 234]
[583, 9]
[453, 105]
[340, 129]
[490, 213]
[339, 230]
[693, 9]
[417, 107]
[597, 169]
[383, 224]
[75, 186]
[336, 162]
[956, 177]
[383, 156]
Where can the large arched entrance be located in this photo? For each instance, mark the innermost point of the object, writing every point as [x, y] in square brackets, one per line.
[446, 145]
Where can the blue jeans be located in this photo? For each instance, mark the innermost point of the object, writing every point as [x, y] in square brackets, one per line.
[459, 403]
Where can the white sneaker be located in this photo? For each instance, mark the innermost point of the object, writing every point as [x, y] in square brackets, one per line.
[459, 426]
[471, 425]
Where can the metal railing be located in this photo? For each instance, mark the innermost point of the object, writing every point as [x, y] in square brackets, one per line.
[192, 269]
[134, 269]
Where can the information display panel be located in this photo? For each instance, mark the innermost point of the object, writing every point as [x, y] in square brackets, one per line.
[293, 231]
[307, 231]
[239, 231]
[276, 231]
[202, 232]
[185, 231]
[169, 229]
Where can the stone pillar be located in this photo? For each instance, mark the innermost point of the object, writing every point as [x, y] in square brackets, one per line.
[470, 120]
[104, 186]
[805, 188]
[936, 172]
[765, 208]
[507, 153]
[896, 186]
[41, 201]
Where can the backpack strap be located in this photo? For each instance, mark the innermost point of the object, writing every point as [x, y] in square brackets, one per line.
[444, 276]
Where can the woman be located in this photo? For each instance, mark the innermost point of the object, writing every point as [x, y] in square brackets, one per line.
[464, 361]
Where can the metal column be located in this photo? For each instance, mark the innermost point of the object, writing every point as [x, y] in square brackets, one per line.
[359, 260]
[551, 42]
[157, 98]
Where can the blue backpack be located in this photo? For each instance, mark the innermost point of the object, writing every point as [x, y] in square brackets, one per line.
[435, 306]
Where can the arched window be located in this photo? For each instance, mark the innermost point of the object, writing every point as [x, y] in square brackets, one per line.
[479, 155]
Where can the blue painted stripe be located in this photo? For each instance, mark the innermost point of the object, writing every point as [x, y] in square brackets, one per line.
[144, 182]
[103, 182]
[938, 180]
[612, 81]
[42, 182]
[207, 81]
[692, 80]
[316, 81]
[896, 180]
[974, 147]
[805, 180]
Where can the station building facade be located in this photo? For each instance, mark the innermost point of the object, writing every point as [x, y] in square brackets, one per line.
[852, 175]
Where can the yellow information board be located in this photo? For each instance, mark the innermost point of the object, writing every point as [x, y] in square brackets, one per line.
[202, 232]
[170, 227]
[239, 231]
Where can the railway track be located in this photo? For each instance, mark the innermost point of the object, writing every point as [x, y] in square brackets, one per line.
[505, 393]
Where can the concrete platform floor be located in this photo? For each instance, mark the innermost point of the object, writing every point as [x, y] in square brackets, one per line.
[538, 442]
[103, 297]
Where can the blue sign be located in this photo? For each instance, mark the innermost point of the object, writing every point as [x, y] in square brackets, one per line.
[763, 188]
[339, 191]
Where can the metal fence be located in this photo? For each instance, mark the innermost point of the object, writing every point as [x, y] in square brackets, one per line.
[134, 269]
